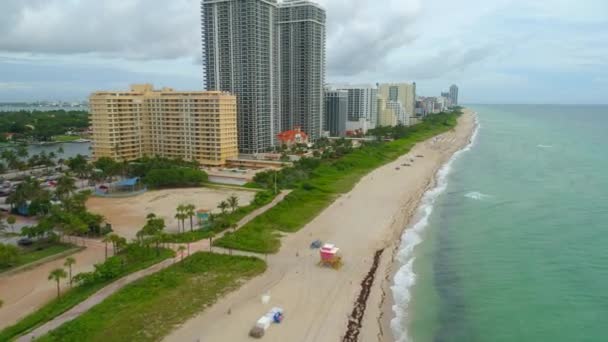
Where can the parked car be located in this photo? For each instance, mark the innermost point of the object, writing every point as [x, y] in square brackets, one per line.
[25, 242]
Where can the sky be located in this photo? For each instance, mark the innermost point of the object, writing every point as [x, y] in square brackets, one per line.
[496, 51]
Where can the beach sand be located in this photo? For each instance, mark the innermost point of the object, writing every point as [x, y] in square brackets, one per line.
[318, 301]
[128, 215]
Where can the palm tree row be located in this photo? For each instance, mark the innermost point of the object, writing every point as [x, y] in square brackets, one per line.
[59, 273]
[185, 211]
[232, 202]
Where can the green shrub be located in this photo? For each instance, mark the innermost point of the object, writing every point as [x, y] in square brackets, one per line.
[173, 178]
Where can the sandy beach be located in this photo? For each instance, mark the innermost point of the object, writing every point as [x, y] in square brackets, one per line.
[318, 301]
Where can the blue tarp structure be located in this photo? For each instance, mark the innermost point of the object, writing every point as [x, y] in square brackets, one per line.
[130, 182]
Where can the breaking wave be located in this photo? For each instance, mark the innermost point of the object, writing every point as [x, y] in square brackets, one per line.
[405, 278]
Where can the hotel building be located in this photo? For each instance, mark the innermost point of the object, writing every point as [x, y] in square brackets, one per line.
[193, 125]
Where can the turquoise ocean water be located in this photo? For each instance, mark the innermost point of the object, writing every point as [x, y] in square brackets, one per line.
[513, 243]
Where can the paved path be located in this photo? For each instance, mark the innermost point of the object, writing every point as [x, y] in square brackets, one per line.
[107, 291]
[26, 291]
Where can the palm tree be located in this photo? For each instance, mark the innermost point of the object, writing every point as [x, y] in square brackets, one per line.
[68, 263]
[223, 206]
[65, 186]
[189, 211]
[233, 202]
[22, 152]
[107, 239]
[11, 158]
[211, 236]
[182, 215]
[11, 219]
[116, 243]
[56, 275]
[181, 250]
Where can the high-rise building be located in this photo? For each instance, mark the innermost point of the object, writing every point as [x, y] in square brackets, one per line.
[454, 95]
[193, 125]
[362, 103]
[241, 56]
[301, 27]
[336, 109]
[403, 93]
[386, 113]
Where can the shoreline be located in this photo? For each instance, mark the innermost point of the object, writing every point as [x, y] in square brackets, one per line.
[391, 265]
[318, 301]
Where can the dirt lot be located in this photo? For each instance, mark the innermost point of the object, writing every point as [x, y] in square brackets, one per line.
[128, 215]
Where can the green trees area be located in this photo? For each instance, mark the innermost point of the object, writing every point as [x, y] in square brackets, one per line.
[41, 125]
[134, 312]
[156, 172]
[317, 182]
[18, 158]
[128, 258]
[218, 223]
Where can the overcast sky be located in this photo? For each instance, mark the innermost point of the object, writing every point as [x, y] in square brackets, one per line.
[497, 51]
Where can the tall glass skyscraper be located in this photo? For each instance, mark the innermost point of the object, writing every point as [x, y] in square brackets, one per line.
[240, 56]
[302, 54]
[272, 57]
[454, 95]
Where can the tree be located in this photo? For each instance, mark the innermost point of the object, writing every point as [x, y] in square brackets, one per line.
[181, 250]
[22, 152]
[9, 255]
[233, 202]
[223, 206]
[12, 161]
[189, 211]
[153, 226]
[106, 239]
[65, 187]
[181, 216]
[56, 275]
[2, 227]
[68, 263]
[117, 243]
[78, 165]
[11, 219]
[211, 236]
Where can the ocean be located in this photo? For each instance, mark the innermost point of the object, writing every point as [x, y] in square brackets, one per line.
[512, 245]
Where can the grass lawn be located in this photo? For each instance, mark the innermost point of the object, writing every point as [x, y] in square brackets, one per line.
[65, 138]
[150, 308]
[72, 297]
[37, 252]
[328, 181]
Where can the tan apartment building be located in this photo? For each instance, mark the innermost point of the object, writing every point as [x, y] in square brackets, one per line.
[193, 125]
[403, 93]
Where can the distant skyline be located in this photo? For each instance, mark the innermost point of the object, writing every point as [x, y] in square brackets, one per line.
[501, 51]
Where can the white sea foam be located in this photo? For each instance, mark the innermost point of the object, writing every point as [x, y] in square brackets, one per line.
[405, 278]
[544, 146]
[478, 196]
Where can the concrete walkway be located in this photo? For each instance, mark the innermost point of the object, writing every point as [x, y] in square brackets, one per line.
[107, 291]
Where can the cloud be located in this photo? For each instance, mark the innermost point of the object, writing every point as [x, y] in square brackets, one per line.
[498, 51]
[133, 29]
[362, 34]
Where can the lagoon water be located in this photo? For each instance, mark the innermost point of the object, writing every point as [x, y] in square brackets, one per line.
[513, 244]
